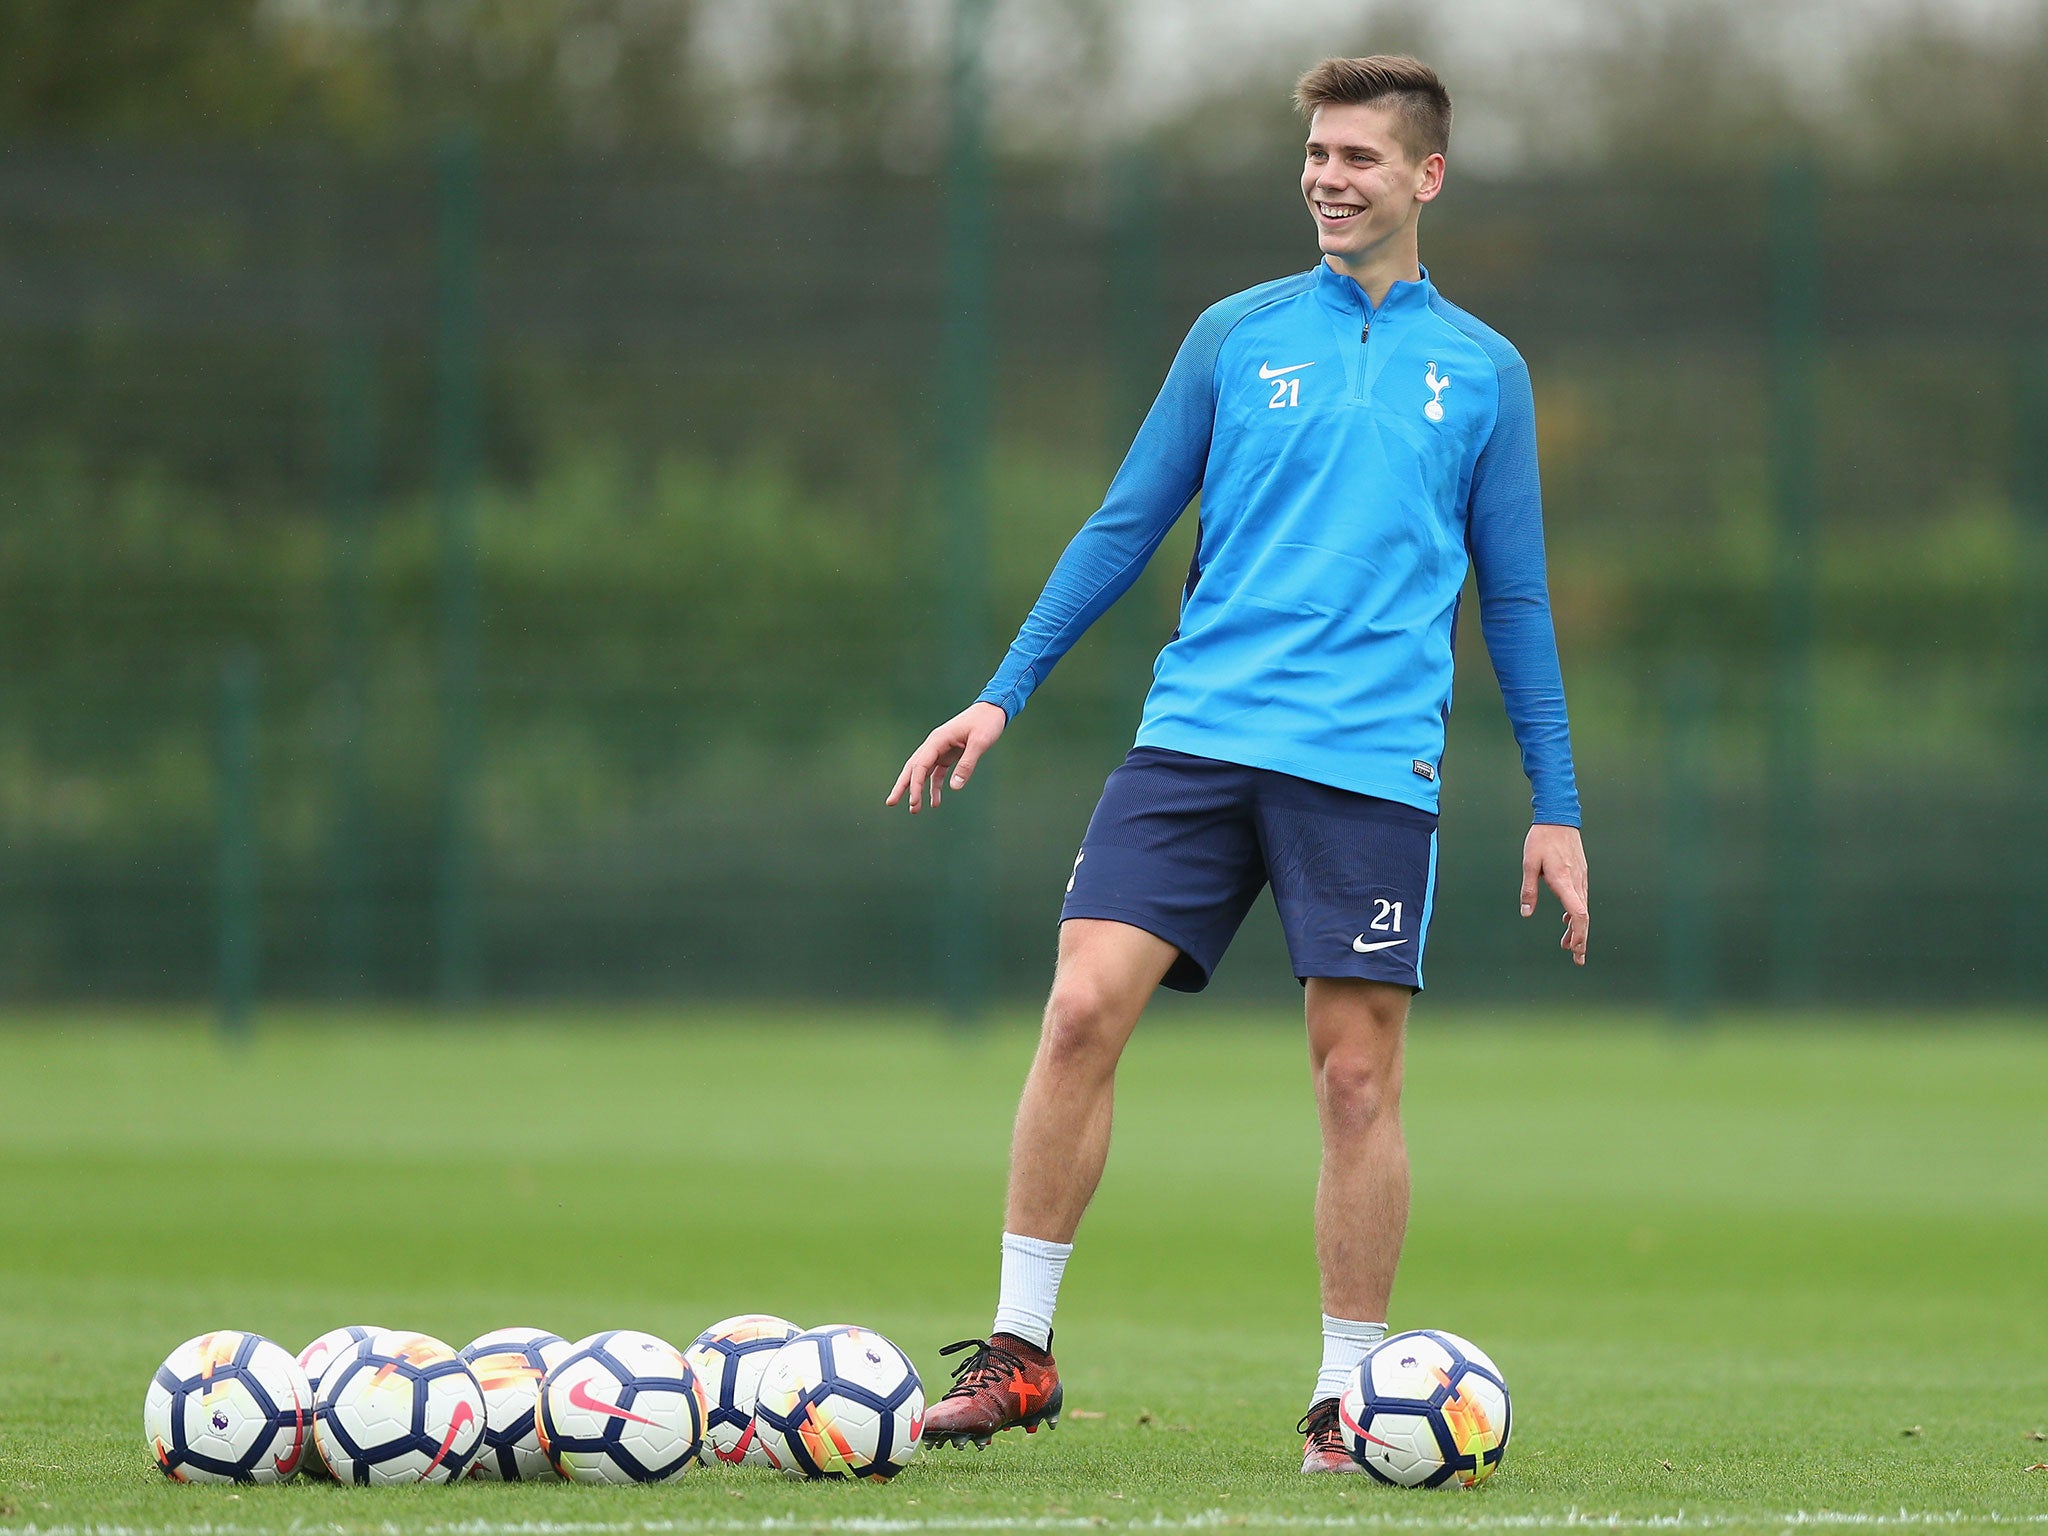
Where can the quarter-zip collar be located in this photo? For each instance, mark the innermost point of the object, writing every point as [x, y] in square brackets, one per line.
[1358, 321]
[1342, 294]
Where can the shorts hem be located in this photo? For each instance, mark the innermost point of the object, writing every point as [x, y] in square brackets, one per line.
[1412, 981]
[1101, 912]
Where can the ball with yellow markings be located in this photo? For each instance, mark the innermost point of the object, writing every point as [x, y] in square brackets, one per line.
[228, 1407]
[839, 1402]
[509, 1364]
[1426, 1409]
[399, 1408]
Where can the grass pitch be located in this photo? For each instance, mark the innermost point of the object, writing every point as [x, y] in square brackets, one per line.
[1748, 1279]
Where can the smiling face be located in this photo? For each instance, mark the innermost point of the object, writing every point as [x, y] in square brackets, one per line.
[1364, 185]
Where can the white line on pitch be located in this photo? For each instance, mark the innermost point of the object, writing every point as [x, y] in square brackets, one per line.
[1213, 1519]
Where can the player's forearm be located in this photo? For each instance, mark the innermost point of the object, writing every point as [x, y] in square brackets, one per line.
[1098, 566]
[1505, 536]
[1522, 642]
[1157, 480]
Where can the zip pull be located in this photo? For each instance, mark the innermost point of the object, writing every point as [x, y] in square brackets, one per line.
[1365, 332]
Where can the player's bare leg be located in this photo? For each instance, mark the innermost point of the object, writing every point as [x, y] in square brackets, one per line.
[1107, 972]
[1356, 1030]
[1355, 1034]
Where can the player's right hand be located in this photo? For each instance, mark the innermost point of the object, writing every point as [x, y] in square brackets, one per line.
[953, 749]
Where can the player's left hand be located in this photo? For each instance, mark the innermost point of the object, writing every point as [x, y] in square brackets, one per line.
[1558, 857]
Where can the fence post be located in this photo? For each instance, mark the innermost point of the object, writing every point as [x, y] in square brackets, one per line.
[236, 818]
[1135, 324]
[1795, 417]
[1688, 828]
[963, 488]
[2029, 936]
[352, 456]
[456, 396]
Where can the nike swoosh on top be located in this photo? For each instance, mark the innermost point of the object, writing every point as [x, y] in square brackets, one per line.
[1268, 371]
[1364, 948]
[579, 1397]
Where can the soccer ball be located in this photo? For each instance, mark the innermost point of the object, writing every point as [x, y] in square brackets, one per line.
[839, 1401]
[314, 1360]
[228, 1408]
[728, 1358]
[1426, 1409]
[317, 1356]
[399, 1408]
[509, 1365]
[623, 1407]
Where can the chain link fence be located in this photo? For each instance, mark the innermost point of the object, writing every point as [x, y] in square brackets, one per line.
[488, 579]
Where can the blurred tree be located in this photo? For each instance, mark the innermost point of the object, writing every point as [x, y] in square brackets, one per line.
[862, 82]
[1688, 87]
[1707, 87]
[1922, 94]
[599, 72]
[1252, 118]
[602, 71]
[1707, 84]
[143, 66]
[833, 81]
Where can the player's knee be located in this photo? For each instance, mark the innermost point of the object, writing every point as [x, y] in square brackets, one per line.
[1081, 1026]
[1355, 1089]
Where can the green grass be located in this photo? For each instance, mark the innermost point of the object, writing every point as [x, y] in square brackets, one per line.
[1724, 1275]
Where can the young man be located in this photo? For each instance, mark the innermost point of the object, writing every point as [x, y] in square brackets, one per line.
[1357, 442]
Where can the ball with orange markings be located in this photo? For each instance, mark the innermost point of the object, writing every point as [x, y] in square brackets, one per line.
[840, 1402]
[228, 1407]
[1426, 1409]
[400, 1408]
[729, 1358]
[509, 1364]
[314, 1360]
[624, 1407]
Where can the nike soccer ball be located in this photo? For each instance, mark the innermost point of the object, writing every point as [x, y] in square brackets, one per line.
[624, 1407]
[509, 1365]
[399, 1408]
[1426, 1409]
[228, 1408]
[328, 1348]
[314, 1360]
[728, 1358]
[839, 1402]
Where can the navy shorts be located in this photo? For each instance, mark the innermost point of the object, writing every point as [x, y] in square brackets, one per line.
[1181, 846]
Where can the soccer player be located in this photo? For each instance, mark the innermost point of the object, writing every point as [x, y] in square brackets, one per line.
[1358, 442]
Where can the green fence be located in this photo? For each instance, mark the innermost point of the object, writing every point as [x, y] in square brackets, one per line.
[472, 578]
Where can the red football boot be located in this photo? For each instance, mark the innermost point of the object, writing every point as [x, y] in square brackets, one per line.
[1003, 1384]
[1324, 1451]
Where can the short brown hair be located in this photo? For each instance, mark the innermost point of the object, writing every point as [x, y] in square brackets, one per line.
[1424, 106]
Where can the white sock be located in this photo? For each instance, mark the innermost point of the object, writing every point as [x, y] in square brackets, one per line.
[1031, 1287]
[1345, 1343]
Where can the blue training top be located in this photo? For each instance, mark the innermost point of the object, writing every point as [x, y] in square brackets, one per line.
[1351, 461]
